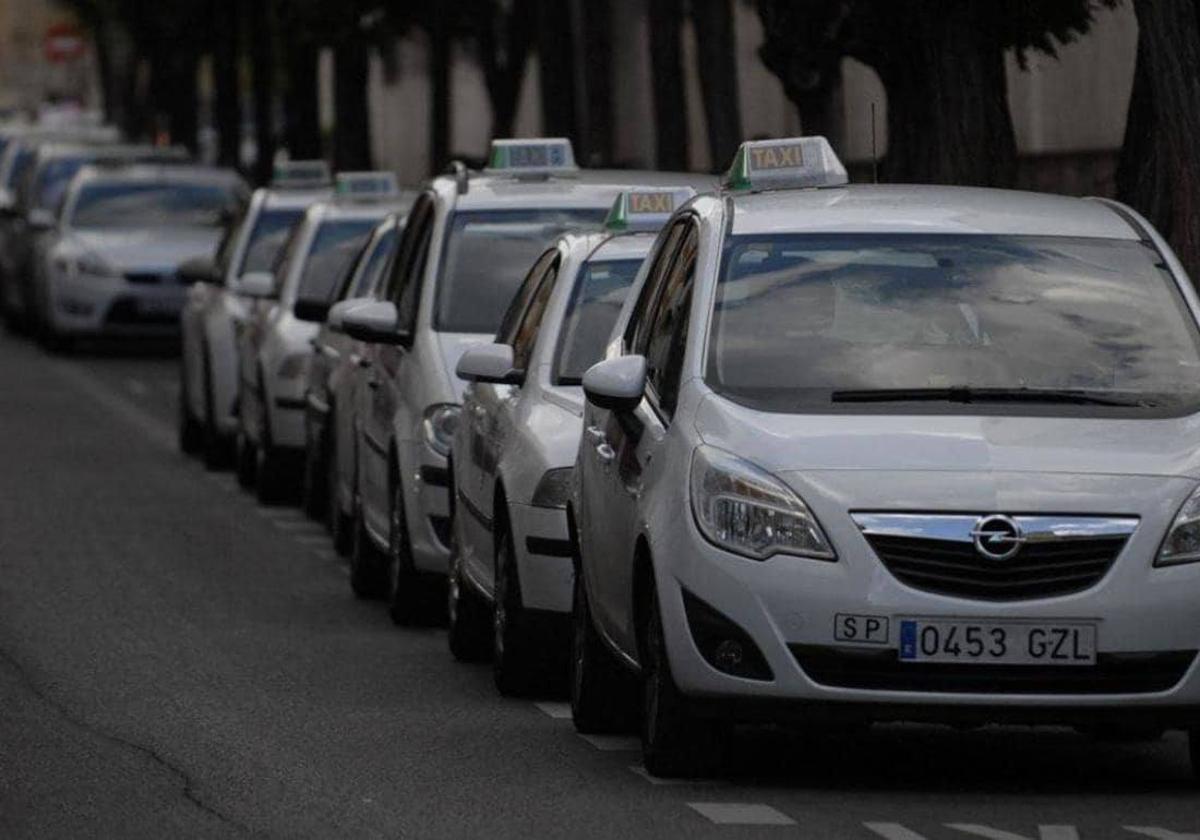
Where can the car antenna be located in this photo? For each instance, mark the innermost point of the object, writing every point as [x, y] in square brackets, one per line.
[874, 153]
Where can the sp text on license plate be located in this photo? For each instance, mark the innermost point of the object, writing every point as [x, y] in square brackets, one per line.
[997, 642]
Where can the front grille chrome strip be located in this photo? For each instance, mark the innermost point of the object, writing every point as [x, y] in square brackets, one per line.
[961, 527]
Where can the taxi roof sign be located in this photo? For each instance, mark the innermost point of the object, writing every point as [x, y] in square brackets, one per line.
[645, 208]
[534, 156]
[366, 186]
[301, 174]
[791, 163]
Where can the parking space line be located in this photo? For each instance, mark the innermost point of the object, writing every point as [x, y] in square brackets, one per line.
[558, 711]
[639, 770]
[893, 831]
[612, 743]
[740, 813]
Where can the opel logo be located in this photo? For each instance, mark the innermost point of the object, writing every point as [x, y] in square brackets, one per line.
[997, 537]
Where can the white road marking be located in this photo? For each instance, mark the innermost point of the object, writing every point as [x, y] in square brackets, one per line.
[612, 743]
[893, 831]
[1045, 832]
[136, 387]
[1160, 833]
[313, 539]
[558, 711]
[639, 770]
[740, 813]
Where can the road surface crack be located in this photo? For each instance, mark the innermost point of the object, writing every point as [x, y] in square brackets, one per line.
[186, 781]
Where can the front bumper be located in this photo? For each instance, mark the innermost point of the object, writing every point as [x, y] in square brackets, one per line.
[114, 306]
[543, 552]
[1148, 633]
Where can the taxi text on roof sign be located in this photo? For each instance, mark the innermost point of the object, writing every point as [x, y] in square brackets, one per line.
[645, 209]
[536, 156]
[366, 186]
[793, 163]
[301, 173]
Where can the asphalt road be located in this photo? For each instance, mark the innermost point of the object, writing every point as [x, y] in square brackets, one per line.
[176, 661]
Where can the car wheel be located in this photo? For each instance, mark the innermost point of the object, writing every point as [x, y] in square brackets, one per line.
[467, 616]
[214, 446]
[367, 564]
[340, 523]
[270, 473]
[404, 590]
[313, 490]
[191, 436]
[603, 694]
[515, 651]
[245, 460]
[675, 743]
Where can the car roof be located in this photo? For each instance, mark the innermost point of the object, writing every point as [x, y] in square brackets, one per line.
[584, 188]
[897, 208]
[624, 246]
[174, 172]
[333, 208]
[286, 198]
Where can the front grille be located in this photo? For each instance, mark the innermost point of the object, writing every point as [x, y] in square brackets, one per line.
[1039, 570]
[148, 278]
[1130, 673]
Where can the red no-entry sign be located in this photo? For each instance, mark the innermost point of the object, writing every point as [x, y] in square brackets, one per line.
[63, 42]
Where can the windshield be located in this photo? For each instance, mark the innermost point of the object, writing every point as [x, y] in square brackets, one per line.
[367, 279]
[591, 314]
[800, 321]
[152, 205]
[336, 243]
[487, 255]
[268, 237]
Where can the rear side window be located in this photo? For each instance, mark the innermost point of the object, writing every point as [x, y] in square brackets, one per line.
[334, 246]
[270, 233]
[592, 313]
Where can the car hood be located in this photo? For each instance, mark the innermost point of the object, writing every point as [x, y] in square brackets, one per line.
[159, 250]
[450, 348]
[966, 444]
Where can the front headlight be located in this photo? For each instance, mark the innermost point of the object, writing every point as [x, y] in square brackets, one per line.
[553, 489]
[1182, 544]
[440, 424]
[746, 510]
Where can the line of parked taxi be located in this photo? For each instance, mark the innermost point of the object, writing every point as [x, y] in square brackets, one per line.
[769, 449]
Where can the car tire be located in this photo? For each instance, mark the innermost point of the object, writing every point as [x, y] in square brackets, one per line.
[367, 564]
[468, 617]
[675, 743]
[191, 435]
[413, 598]
[214, 446]
[245, 460]
[314, 487]
[341, 525]
[270, 472]
[517, 659]
[603, 693]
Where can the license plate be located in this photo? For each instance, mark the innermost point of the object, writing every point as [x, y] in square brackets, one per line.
[997, 642]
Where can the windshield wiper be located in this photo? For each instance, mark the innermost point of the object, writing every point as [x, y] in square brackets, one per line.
[966, 394]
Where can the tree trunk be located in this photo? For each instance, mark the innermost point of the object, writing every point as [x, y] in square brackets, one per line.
[352, 126]
[183, 100]
[228, 106]
[556, 58]
[504, 47]
[597, 31]
[717, 58]
[439, 90]
[1159, 174]
[263, 89]
[670, 98]
[303, 116]
[947, 98]
[107, 71]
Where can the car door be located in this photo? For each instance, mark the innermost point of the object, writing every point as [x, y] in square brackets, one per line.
[610, 441]
[492, 406]
[380, 367]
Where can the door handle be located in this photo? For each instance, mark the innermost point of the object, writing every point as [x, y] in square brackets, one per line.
[596, 434]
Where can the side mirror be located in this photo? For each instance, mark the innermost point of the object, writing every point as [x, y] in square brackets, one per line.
[198, 270]
[310, 309]
[336, 319]
[491, 363]
[377, 322]
[41, 219]
[616, 384]
[257, 284]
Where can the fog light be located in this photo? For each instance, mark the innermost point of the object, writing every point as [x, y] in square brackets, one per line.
[723, 644]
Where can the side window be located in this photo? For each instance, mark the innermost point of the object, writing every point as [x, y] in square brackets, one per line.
[517, 306]
[404, 283]
[636, 330]
[527, 329]
[668, 328]
[229, 242]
